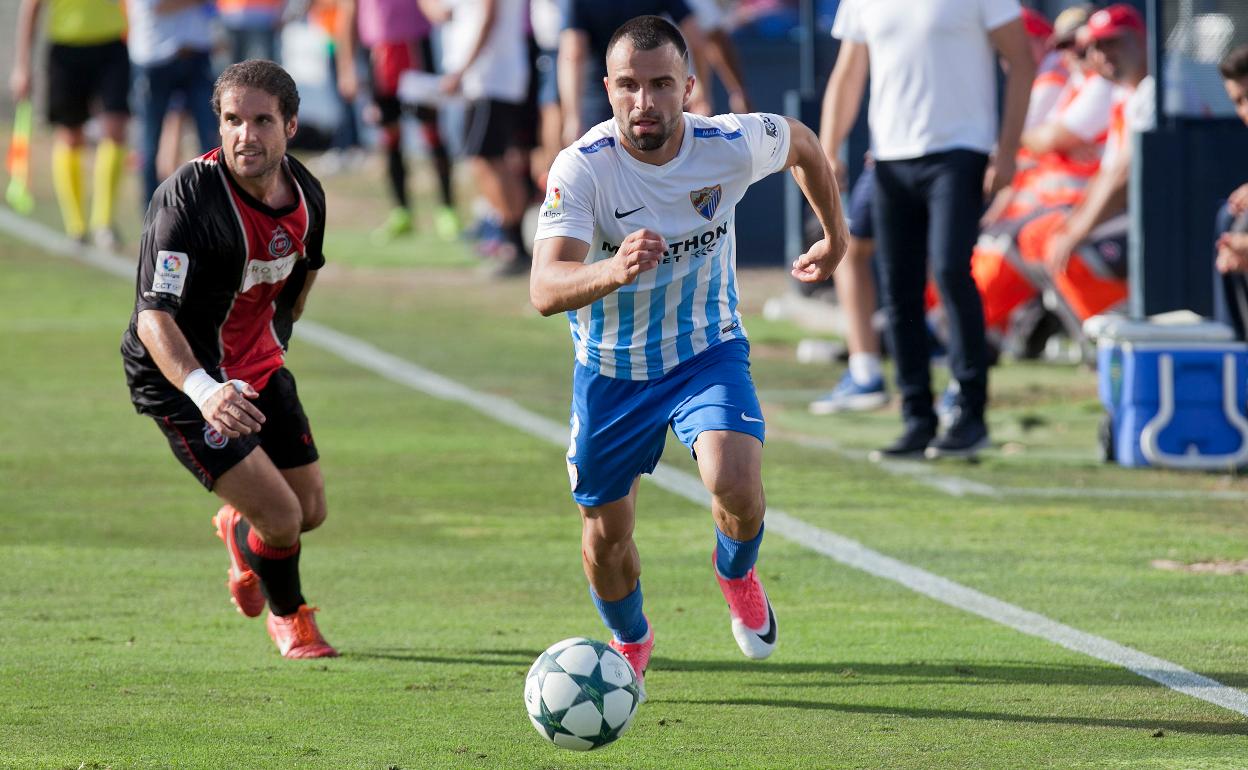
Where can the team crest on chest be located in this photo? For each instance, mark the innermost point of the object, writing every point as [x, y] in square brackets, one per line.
[280, 244]
[706, 200]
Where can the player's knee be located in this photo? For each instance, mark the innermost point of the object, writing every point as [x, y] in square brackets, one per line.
[738, 491]
[280, 531]
[314, 513]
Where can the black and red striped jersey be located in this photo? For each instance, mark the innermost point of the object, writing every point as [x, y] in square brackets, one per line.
[228, 268]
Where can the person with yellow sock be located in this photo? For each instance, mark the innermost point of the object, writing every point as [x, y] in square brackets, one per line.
[86, 61]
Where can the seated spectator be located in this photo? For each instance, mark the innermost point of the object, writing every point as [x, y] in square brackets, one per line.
[1063, 146]
[1085, 254]
[1079, 249]
[1232, 228]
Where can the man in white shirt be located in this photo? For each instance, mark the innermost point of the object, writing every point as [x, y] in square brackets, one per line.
[636, 243]
[932, 117]
[485, 56]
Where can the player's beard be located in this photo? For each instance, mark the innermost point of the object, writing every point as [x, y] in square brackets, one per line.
[651, 141]
[269, 165]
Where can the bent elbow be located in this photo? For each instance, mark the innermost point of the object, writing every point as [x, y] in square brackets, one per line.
[544, 303]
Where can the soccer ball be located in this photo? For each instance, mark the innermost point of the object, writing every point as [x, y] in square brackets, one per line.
[581, 694]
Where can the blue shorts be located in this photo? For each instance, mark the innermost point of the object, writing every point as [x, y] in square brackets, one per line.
[861, 225]
[619, 426]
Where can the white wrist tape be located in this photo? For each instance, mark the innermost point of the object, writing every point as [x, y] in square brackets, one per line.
[199, 386]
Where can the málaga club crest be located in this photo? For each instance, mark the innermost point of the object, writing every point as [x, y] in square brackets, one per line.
[706, 200]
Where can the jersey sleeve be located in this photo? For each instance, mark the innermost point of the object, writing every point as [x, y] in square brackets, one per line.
[166, 260]
[848, 24]
[997, 13]
[568, 210]
[1087, 116]
[314, 248]
[767, 136]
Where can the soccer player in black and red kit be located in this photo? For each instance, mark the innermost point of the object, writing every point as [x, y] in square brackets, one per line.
[230, 248]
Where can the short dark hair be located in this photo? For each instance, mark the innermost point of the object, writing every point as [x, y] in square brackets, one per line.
[1235, 65]
[264, 75]
[647, 33]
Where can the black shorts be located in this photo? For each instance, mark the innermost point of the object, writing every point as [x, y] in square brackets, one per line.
[286, 436]
[858, 212]
[80, 74]
[492, 127]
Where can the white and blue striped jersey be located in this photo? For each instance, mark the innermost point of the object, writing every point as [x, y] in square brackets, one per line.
[598, 193]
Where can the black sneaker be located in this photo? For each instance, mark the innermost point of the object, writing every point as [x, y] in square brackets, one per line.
[966, 436]
[909, 446]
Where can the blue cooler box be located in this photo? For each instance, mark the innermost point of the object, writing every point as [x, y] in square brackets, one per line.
[1175, 393]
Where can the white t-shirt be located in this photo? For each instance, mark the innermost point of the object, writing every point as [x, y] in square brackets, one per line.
[501, 70]
[1051, 79]
[156, 38]
[598, 193]
[1087, 115]
[1137, 112]
[1141, 111]
[933, 71]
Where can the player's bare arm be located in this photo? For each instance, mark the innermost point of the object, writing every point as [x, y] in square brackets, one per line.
[573, 49]
[814, 176]
[19, 79]
[562, 281]
[1010, 41]
[226, 406]
[841, 101]
[344, 40]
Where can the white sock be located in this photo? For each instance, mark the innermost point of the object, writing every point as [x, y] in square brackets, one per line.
[864, 368]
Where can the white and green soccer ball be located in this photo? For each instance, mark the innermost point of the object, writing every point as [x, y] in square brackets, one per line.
[581, 694]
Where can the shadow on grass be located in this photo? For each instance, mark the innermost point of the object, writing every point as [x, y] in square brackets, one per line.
[1168, 725]
[938, 672]
[840, 674]
[487, 657]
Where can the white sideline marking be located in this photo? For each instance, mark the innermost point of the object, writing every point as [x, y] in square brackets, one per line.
[837, 547]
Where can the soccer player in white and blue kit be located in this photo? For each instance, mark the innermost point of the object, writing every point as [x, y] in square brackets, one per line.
[636, 243]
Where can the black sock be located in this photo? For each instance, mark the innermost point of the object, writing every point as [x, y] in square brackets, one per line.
[442, 164]
[397, 171]
[278, 569]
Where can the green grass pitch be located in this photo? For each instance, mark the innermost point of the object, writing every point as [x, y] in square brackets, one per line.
[451, 559]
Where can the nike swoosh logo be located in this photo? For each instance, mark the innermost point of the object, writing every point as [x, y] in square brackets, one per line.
[748, 418]
[621, 214]
[770, 636]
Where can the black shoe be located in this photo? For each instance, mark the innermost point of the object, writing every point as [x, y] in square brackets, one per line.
[966, 436]
[909, 446]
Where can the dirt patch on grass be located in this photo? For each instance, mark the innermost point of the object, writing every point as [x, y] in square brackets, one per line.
[1210, 567]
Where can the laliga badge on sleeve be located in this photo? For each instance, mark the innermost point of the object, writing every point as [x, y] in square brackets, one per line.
[171, 270]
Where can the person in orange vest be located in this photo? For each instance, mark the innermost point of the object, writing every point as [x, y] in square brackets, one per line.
[1002, 289]
[87, 64]
[1066, 147]
[1084, 254]
[253, 28]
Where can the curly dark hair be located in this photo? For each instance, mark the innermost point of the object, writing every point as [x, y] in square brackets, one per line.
[264, 75]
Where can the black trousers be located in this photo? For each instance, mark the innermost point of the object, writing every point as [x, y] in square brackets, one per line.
[927, 214]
